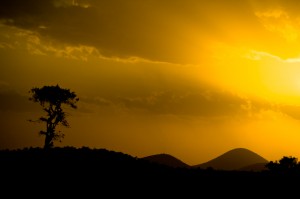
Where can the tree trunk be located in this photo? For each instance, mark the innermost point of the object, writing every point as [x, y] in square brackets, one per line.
[48, 141]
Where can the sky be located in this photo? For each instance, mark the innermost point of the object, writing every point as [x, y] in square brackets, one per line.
[189, 78]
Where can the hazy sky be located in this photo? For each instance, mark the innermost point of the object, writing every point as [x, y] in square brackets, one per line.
[190, 78]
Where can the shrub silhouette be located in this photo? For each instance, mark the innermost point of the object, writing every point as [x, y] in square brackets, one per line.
[51, 98]
[284, 165]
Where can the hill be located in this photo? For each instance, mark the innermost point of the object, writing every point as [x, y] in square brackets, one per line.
[166, 159]
[254, 167]
[74, 172]
[234, 159]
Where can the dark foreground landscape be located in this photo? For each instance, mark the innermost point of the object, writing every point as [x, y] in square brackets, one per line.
[100, 173]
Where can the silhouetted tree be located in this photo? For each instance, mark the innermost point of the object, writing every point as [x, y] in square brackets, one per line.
[285, 164]
[272, 166]
[51, 98]
[288, 162]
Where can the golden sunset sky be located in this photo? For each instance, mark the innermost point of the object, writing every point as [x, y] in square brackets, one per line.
[189, 78]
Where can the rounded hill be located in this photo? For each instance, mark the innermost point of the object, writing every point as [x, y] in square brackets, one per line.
[166, 159]
[234, 159]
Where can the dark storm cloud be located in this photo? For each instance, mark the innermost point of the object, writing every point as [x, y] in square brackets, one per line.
[207, 104]
[116, 28]
[168, 30]
[203, 103]
[149, 29]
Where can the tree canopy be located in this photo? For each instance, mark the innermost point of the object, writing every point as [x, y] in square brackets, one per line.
[51, 98]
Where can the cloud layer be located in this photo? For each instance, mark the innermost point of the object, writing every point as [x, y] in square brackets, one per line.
[167, 31]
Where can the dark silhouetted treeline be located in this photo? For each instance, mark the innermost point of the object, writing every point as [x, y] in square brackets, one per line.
[99, 172]
[285, 166]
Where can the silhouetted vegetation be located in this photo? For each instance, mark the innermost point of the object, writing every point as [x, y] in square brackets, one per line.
[98, 171]
[286, 165]
[51, 98]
